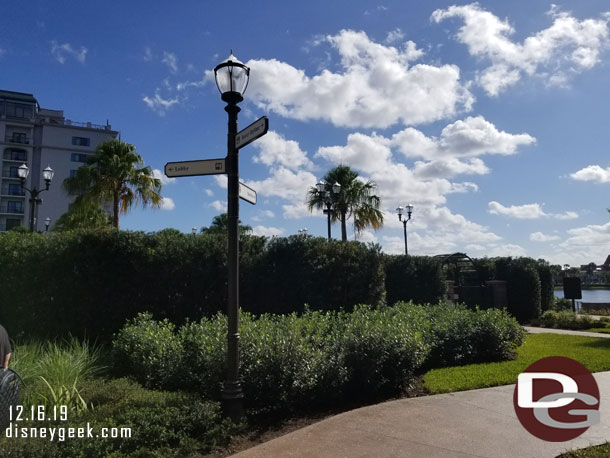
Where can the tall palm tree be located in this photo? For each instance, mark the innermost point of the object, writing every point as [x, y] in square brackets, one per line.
[356, 199]
[115, 173]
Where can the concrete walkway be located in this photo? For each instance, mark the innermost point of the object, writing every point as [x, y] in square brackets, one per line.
[533, 330]
[477, 423]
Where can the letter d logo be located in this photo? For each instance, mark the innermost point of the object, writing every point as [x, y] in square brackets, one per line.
[556, 399]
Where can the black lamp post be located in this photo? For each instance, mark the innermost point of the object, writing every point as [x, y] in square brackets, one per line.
[409, 209]
[194, 230]
[328, 197]
[23, 171]
[232, 80]
[47, 223]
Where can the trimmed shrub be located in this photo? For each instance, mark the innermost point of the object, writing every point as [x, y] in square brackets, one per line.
[462, 336]
[326, 275]
[414, 278]
[566, 320]
[325, 358]
[149, 350]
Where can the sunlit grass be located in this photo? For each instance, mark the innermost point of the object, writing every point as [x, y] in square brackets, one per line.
[592, 352]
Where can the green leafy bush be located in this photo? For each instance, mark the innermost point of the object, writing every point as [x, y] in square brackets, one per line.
[462, 336]
[321, 358]
[148, 349]
[162, 424]
[566, 320]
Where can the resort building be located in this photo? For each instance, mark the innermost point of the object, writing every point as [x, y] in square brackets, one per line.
[40, 138]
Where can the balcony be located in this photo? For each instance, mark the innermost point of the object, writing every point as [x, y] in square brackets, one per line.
[20, 139]
[12, 191]
[18, 156]
[12, 209]
[10, 173]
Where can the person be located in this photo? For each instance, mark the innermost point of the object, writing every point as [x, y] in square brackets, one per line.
[6, 350]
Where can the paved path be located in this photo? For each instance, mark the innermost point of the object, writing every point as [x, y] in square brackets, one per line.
[477, 423]
[533, 330]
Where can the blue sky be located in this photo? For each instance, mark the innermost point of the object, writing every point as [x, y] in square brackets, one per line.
[491, 118]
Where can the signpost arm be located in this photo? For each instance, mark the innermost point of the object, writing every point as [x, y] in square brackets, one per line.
[232, 394]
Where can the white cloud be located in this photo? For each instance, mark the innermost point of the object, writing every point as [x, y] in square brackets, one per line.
[540, 237]
[148, 56]
[285, 183]
[267, 231]
[208, 192]
[473, 136]
[167, 204]
[274, 149]
[394, 35]
[593, 173]
[527, 211]
[568, 46]
[583, 245]
[219, 205]
[170, 60]
[2, 52]
[158, 104]
[377, 86]
[63, 51]
[158, 174]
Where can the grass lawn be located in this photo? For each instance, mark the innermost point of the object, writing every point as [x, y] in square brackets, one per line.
[590, 351]
[599, 451]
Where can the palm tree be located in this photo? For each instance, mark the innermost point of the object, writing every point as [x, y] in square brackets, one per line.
[115, 173]
[356, 199]
[220, 226]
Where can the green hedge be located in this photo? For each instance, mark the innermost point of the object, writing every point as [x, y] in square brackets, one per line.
[89, 283]
[320, 358]
[414, 278]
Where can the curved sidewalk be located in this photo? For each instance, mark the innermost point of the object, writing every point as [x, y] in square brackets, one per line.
[477, 423]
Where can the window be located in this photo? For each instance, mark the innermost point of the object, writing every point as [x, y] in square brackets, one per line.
[79, 157]
[15, 189]
[16, 155]
[14, 207]
[81, 141]
[18, 110]
[14, 172]
[19, 137]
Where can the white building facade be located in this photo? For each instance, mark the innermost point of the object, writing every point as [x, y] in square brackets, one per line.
[40, 137]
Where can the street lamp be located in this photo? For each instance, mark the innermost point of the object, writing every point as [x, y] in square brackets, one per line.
[47, 223]
[303, 231]
[328, 197]
[194, 230]
[409, 209]
[232, 80]
[47, 174]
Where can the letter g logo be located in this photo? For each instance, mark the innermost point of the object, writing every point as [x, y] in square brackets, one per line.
[556, 399]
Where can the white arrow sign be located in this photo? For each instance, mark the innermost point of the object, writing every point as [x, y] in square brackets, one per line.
[246, 193]
[255, 130]
[193, 168]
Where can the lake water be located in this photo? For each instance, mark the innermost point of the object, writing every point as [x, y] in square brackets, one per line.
[589, 295]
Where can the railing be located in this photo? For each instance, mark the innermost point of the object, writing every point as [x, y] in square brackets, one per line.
[15, 156]
[7, 191]
[89, 125]
[18, 139]
[12, 210]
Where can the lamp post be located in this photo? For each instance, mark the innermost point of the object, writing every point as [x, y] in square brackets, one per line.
[47, 223]
[409, 209]
[328, 197]
[47, 174]
[194, 230]
[303, 231]
[232, 80]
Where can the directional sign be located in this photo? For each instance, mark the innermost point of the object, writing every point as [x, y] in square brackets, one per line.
[255, 130]
[246, 193]
[193, 168]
